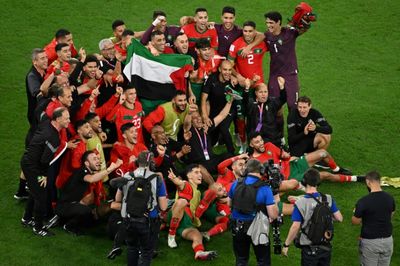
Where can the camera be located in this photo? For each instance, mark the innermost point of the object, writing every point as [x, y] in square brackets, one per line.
[273, 175]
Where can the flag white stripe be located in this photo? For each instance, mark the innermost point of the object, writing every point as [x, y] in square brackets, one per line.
[149, 70]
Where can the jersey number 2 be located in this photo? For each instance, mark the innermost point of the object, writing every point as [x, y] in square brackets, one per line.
[250, 59]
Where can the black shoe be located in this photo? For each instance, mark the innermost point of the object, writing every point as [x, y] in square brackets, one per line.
[361, 178]
[343, 171]
[28, 223]
[42, 232]
[72, 231]
[52, 222]
[116, 251]
[322, 164]
[21, 195]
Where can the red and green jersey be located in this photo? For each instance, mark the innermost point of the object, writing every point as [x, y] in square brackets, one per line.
[50, 50]
[122, 115]
[273, 152]
[194, 36]
[250, 65]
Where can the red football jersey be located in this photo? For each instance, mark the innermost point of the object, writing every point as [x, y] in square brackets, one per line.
[250, 65]
[193, 35]
[273, 152]
[120, 151]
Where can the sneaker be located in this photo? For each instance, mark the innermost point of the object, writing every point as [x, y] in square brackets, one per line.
[322, 164]
[52, 222]
[21, 195]
[42, 232]
[205, 255]
[172, 242]
[361, 178]
[116, 251]
[206, 236]
[26, 223]
[342, 171]
[72, 231]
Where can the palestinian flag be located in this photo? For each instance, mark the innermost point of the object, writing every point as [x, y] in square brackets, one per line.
[156, 77]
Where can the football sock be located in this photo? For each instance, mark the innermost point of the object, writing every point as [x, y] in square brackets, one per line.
[198, 248]
[174, 224]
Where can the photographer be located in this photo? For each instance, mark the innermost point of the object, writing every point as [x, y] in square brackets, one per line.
[142, 228]
[249, 195]
[312, 253]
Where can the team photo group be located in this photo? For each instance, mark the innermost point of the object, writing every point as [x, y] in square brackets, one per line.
[184, 129]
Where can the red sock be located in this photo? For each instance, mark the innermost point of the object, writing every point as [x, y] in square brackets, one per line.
[345, 178]
[332, 164]
[241, 127]
[174, 224]
[198, 248]
[218, 229]
[209, 196]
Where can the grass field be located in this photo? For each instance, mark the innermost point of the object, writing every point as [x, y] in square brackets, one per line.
[349, 66]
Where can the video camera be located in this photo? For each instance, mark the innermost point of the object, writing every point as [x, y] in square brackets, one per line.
[272, 174]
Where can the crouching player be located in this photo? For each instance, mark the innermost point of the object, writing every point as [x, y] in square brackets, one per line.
[182, 217]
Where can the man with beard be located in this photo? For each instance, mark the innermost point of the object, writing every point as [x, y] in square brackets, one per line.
[170, 115]
[293, 168]
[72, 159]
[73, 205]
[35, 163]
[199, 30]
[226, 176]
[95, 143]
[215, 91]
[172, 151]
[182, 215]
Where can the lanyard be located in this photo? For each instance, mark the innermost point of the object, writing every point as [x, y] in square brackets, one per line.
[259, 124]
[203, 145]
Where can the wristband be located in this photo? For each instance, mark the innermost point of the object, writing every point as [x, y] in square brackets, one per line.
[285, 246]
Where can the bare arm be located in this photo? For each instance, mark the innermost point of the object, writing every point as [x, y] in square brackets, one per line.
[163, 203]
[179, 183]
[224, 112]
[99, 175]
[355, 220]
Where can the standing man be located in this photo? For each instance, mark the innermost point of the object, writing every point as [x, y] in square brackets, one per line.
[241, 221]
[308, 129]
[33, 81]
[199, 30]
[311, 253]
[214, 91]
[281, 42]
[249, 66]
[375, 212]
[61, 36]
[141, 228]
[35, 164]
[160, 24]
